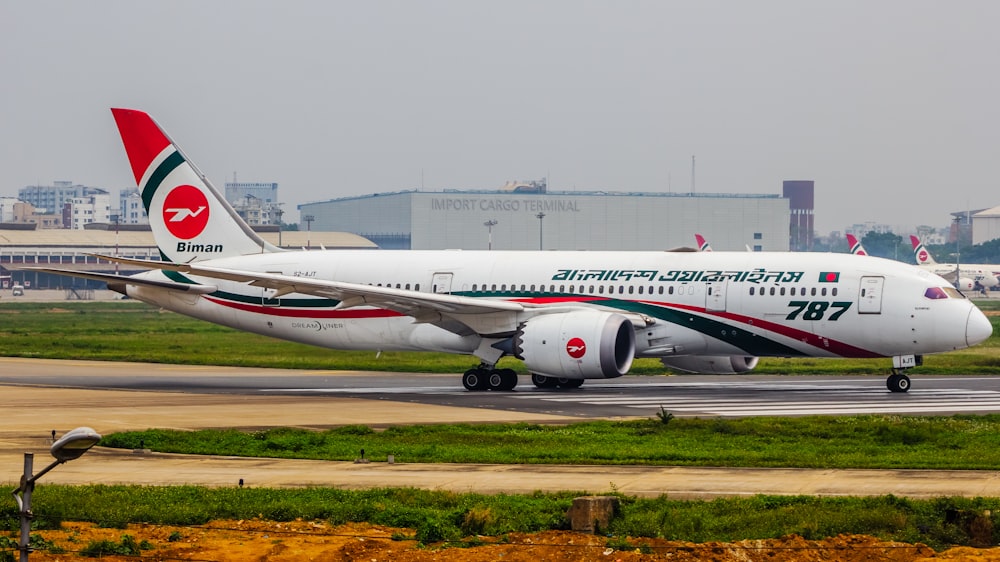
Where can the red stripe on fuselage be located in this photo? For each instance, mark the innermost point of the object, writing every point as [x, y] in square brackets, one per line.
[833, 346]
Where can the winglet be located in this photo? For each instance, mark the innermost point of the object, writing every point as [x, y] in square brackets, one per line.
[142, 138]
[702, 243]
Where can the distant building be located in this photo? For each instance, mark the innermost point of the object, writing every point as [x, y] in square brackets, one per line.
[801, 202]
[82, 211]
[130, 207]
[557, 220]
[256, 202]
[985, 225]
[54, 198]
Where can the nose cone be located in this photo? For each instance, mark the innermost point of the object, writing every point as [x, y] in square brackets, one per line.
[978, 327]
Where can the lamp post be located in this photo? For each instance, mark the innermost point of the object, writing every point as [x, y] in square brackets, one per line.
[68, 447]
[308, 219]
[489, 226]
[540, 216]
[280, 212]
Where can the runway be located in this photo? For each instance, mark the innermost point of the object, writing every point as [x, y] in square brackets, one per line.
[37, 396]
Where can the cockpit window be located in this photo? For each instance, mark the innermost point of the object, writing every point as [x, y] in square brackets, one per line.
[935, 293]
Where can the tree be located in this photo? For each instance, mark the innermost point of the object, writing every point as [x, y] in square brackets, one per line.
[887, 245]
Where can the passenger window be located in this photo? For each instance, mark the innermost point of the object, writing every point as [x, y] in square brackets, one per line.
[834, 291]
[621, 289]
[823, 292]
[408, 287]
[670, 290]
[640, 289]
[782, 291]
[661, 289]
[814, 291]
[772, 291]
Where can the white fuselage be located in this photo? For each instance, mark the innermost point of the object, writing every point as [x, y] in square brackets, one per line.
[717, 303]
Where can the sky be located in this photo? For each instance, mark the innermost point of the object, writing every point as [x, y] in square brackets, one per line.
[891, 107]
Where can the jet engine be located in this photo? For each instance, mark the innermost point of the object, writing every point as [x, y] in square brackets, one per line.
[582, 344]
[711, 364]
[965, 284]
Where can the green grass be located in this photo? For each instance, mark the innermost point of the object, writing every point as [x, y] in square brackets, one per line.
[957, 442]
[134, 331]
[438, 515]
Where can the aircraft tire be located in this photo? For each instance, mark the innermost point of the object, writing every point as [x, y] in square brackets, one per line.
[502, 379]
[475, 379]
[541, 381]
[509, 379]
[898, 383]
[569, 383]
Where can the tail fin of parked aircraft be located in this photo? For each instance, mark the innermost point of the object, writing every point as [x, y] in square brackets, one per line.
[921, 254]
[191, 220]
[855, 245]
[702, 243]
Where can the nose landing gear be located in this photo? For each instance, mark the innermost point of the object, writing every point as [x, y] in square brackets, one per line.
[897, 381]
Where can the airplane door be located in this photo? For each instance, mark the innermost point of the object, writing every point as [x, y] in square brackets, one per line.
[715, 296]
[870, 296]
[441, 283]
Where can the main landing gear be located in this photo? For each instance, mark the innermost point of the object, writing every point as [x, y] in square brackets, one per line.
[542, 381]
[485, 378]
[897, 381]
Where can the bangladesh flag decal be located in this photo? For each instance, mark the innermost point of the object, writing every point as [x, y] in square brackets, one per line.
[829, 276]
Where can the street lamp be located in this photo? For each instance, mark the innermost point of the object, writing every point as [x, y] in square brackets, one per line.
[540, 216]
[489, 225]
[69, 447]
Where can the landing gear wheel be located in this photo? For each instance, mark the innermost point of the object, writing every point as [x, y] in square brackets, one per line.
[541, 381]
[569, 383]
[475, 379]
[509, 377]
[898, 383]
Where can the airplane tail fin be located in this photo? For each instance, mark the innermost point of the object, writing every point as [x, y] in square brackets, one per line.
[856, 247]
[702, 243]
[920, 252]
[190, 219]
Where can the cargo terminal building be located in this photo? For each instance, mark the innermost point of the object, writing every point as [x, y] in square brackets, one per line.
[557, 220]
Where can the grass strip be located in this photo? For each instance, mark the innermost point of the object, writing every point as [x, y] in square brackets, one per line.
[439, 515]
[960, 442]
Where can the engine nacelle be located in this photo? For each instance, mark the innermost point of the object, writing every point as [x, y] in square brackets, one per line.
[711, 364]
[965, 284]
[582, 344]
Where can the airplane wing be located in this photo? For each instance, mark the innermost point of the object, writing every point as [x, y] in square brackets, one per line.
[122, 279]
[457, 314]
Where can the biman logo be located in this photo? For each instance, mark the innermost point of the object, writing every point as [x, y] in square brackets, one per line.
[576, 348]
[185, 212]
[922, 256]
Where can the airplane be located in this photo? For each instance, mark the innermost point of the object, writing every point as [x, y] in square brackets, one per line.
[568, 315]
[963, 283]
[968, 274]
[703, 245]
[855, 245]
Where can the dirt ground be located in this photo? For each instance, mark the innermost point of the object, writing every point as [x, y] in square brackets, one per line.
[305, 540]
